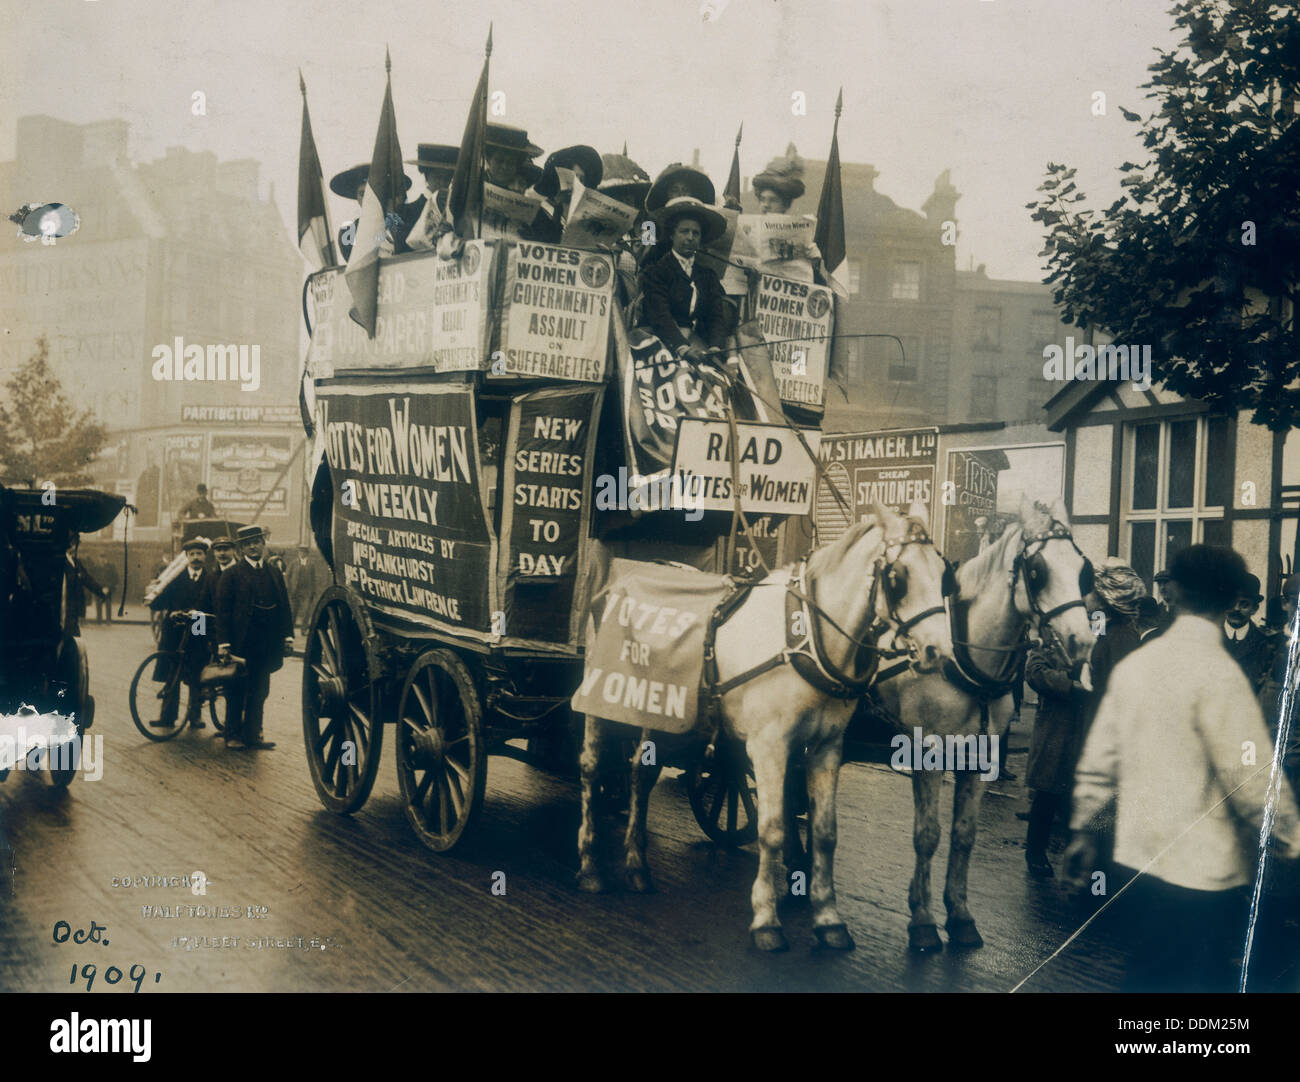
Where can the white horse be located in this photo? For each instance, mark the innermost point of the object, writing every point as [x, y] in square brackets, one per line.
[884, 572]
[1034, 573]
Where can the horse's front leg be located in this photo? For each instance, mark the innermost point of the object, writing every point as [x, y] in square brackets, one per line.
[823, 776]
[966, 800]
[922, 934]
[643, 780]
[769, 751]
[589, 875]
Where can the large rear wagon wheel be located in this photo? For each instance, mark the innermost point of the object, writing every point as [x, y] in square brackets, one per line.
[724, 795]
[342, 735]
[441, 757]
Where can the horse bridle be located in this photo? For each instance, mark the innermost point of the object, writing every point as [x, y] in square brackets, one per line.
[1032, 568]
[893, 577]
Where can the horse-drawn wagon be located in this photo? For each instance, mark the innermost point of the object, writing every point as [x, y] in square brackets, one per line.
[45, 697]
[466, 456]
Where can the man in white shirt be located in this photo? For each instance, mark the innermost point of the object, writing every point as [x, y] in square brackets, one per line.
[1180, 745]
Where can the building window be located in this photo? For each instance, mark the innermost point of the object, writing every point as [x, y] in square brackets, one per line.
[855, 276]
[905, 284]
[851, 371]
[1044, 329]
[904, 364]
[1176, 486]
[988, 327]
[983, 398]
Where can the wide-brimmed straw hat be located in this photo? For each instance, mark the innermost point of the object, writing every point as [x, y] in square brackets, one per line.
[347, 182]
[250, 533]
[712, 224]
[435, 156]
[584, 157]
[695, 180]
[509, 137]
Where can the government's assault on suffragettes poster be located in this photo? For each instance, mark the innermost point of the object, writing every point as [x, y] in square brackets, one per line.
[555, 313]
[411, 533]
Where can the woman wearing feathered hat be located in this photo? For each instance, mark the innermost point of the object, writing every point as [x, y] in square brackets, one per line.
[682, 301]
[780, 184]
[556, 189]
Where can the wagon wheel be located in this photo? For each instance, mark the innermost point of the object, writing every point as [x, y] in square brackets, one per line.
[342, 734]
[78, 702]
[724, 795]
[441, 758]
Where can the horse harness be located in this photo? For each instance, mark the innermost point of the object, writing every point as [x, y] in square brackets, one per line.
[805, 650]
[961, 671]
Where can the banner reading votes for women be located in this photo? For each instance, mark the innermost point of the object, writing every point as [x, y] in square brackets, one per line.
[556, 305]
[411, 533]
[797, 319]
[432, 312]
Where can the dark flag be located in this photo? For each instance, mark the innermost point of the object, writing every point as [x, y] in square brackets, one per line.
[830, 214]
[385, 192]
[731, 193]
[315, 237]
[465, 201]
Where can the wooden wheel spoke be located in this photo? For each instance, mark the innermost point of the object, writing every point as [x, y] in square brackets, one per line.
[424, 704]
[719, 791]
[747, 795]
[327, 653]
[444, 804]
[733, 799]
[461, 772]
[325, 735]
[455, 790]
[422, 789]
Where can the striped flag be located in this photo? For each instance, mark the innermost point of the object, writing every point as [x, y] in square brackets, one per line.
[385, 193]
[731, 193]
[465, 200]
[315, 236]
[830, 215]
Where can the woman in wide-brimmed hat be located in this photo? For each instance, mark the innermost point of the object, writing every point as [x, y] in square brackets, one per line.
[677, 181]
[683, 301]
[583, 163]
[780, 183]
[426, 215]
[351, 184]
[508, 157]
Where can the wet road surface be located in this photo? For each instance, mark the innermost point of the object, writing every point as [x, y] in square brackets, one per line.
[388, 914]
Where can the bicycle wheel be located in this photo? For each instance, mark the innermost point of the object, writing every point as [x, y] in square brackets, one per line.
[217, 708]
[147, 696]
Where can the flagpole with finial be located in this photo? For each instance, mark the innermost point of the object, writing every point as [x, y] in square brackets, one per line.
[731, 193]
[328, 255]
[482, 173]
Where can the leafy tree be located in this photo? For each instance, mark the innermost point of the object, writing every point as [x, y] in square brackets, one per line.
[42, 437]
[1199, 258]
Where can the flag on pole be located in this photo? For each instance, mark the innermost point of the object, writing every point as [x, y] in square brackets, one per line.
[731, 193]
[385, 191]
[465, 201]
[830, 214]
[315, 235]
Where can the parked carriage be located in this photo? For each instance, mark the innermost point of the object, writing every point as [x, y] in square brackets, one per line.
[456, 455]
[44, 674]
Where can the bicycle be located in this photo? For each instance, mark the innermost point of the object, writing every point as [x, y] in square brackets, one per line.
[149, 695]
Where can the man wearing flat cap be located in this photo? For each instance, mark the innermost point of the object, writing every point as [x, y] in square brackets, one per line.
[351, 184]
[254, 622]
[683, 303]
[191, 589]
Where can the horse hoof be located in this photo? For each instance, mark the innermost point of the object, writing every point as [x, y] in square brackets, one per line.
[964, 934]
[638, 881]
[769, 939]
[592, 883]
[833, 937]
[924, 938]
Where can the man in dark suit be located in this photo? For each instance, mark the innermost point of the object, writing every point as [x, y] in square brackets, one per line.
[301, 579]
[191, 589]
[682, 301]
[254, 623]
[1249, 645]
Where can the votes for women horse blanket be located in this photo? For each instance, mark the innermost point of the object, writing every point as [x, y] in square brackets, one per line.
[645, 645]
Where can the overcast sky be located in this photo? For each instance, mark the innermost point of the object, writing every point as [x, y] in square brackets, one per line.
[991, 89]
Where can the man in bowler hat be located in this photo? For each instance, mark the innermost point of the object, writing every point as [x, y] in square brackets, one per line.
[191, 589]
[253, 623]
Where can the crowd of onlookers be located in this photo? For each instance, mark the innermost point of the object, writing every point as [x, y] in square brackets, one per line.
[1158, 752]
